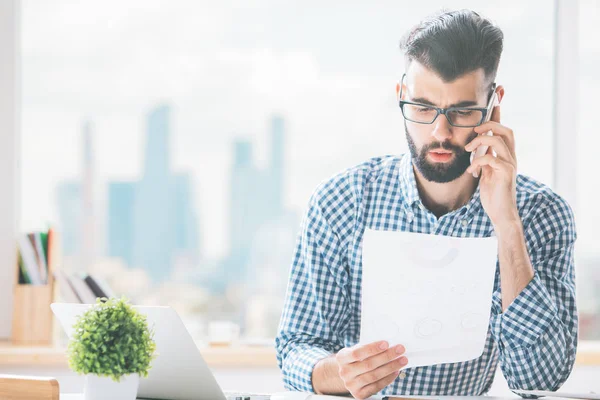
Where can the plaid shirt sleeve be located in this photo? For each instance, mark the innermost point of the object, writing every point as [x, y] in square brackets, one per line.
[537, 334]
[316, 312]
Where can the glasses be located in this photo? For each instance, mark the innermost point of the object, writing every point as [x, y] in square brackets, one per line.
[460, 117]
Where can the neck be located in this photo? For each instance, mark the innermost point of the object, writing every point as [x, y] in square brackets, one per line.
[442, 198]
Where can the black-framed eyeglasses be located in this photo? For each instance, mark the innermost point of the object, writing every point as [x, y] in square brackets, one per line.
[460, 117]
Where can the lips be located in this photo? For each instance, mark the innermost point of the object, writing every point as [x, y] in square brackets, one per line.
[441, 152]
[440, 156]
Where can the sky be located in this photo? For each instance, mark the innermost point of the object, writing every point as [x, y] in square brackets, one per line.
[329, 68]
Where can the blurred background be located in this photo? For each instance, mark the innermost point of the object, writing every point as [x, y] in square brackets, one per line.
[175, 144]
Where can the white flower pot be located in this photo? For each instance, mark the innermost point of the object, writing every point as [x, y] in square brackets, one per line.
[104, 388]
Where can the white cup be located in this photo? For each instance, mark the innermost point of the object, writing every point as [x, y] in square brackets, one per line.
[223, 333]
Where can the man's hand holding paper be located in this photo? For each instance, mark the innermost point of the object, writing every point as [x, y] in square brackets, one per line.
[430, 293]
[366, 369]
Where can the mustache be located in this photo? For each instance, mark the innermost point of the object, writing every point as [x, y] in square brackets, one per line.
[442, 146]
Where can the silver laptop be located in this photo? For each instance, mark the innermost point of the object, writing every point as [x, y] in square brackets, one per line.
[178, 372]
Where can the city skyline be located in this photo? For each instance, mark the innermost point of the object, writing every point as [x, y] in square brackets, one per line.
[151, 222]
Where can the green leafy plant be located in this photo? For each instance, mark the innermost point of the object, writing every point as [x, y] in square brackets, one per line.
[111, 339]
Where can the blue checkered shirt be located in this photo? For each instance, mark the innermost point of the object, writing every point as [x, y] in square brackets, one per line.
[534, 340]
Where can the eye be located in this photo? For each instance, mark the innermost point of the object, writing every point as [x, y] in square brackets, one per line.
[464, 113]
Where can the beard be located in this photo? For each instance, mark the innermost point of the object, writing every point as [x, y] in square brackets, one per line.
[440, 172]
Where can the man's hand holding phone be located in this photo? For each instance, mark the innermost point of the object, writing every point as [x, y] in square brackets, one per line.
[483, 149]
[367, 369]
[498, 167]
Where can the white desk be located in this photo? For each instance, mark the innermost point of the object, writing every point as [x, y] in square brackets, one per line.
[295, 396]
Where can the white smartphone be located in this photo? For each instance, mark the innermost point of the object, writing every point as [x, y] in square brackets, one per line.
[482, 150]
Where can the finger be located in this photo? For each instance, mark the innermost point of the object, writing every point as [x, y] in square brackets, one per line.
[490, 151]
[489, 160]
[502, 131]
[360, 352]
[372, 363]
[495, 114]
[495, 142]
[375, 387]
[381, 372]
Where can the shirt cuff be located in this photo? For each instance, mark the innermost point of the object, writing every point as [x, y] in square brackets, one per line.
[299, 364]
[526, 319]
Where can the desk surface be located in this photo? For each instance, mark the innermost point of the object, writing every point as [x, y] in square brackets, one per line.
[588, 353]
[230, 356]
[306, 396]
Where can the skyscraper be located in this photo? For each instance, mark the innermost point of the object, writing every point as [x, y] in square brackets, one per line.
[277, 163]
[68, 199]
[76, 208]
[120, 220]
[256, 197]
[153, 230]
[262, 233]
[185, 219]
[244, 198]
[89, 238]
[151, 222]
[161, 222]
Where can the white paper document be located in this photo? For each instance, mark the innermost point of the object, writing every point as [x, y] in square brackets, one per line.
[430, 293]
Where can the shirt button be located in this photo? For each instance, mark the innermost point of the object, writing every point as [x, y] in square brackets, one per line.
[464, 222]
[402, 375]
[410, 216]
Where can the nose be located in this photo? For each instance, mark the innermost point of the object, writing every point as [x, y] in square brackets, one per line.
[442, 129]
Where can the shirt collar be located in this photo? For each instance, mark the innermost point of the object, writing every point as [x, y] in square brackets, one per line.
[408, 185]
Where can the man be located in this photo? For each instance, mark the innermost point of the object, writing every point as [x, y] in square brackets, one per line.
[451, 64]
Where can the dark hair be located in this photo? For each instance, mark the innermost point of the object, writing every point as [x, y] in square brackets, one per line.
[453, 43]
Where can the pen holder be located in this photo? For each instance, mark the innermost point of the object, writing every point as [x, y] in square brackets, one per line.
[32, 316]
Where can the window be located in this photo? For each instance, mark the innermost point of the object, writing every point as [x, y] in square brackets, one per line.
[588, 213]
[175, 144]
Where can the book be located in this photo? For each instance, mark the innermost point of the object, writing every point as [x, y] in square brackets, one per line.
[83, 291]
[66, 290]
[52, 248]
[44, 236]
[94, 287]
[105, 287]
[23, 277]
[29, 260]
[41, 257]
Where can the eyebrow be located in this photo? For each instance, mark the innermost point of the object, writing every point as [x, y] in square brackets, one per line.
[465, 103]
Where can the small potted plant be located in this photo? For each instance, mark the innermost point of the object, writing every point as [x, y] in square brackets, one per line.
[113, 346]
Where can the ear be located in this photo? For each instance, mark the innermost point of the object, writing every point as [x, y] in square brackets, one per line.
[500, 93]
[400, 88]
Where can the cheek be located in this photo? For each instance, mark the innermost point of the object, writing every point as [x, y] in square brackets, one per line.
[469, 137]
[420, 135]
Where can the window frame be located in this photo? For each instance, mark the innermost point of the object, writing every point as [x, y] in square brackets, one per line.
[10, 102]
[565, 124]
